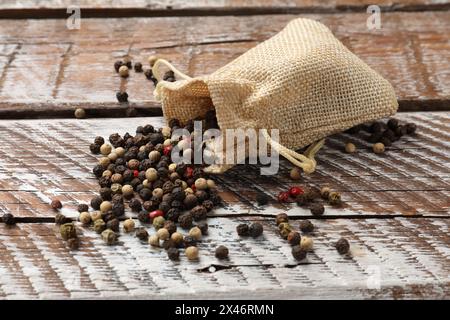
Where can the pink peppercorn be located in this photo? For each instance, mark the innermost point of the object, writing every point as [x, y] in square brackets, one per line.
[156, 213]
[295, 191]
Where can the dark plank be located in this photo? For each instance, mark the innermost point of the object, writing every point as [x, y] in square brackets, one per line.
[48, 70]
[147, 8]
[44, 159]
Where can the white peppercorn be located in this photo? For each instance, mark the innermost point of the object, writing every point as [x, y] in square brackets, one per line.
[85, 218]
[154, 155]
[201, 184]
[172, 167]
[96, 215]
[195, 233]
[158, 193]
[80, 113]
[151, 174]
[105, 206]
[210, 184]
[128, 225]
[120, 152]
[192, 253]
[153, 240]
[127, 190]
[104, 161]
[124, 71]
[105, 149]
[306, 243]
[163, 234]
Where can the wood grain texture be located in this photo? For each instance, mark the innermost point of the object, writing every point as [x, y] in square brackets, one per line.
[150, 8]
[48, 70]
[44, 159]
[397, 258]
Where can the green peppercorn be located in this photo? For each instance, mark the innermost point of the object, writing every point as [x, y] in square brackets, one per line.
[158, 222]
[99, 226]
[255, 229]
[298, 253]
[68, 231]
[61, 219]
[109, 236]
[221, 252]
[334, 198]
[342, 246]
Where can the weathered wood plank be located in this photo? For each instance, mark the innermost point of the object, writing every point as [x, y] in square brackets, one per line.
[46, 69]
[144, 8]
[43, 159]
[396, 258]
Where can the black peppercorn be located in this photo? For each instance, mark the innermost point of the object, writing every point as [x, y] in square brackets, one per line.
[176, 204]
[386, 141]
[411, 128]
[104, 182]
[122, 96]
[82, 207]
[221, 252]
[342, 246]
[293, 238]
[302, 199]
[96, 202]
[281, 217]
[298, 253]
[170, 226]
[118, 209]
[99, 140]
[117, 65]
[105, 193]
[117, 198]
[317, 209]
[354, 130]
[242, 230]
[9, 219]
[138, 67]
[312, 193]
[148, 74]
[135, 205]
[94, 148]
[108, 216]
[164, 207]
[255, 229]
[143, 216]
[201, 195]
[306, 226]
[190, 201]
[173, 215]
[185, 220]
[400, 131]
[142, 234]
[150, 205]
[392, 124]
[376, 127]
[203, 226]
[262, 199]
[208, 204]
[375, 137]
[189, 241]
[56, 204]
[168, 243]
[113, 224]
[173, 254]
[145, 194]
[199, 213]
[174, 123]
[61, 219]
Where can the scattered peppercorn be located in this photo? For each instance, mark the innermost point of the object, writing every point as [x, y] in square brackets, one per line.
[82, 207]
[124, 71]
[255, 229]
[334, 198]
[192, 253]
[80, 113]
[203, 226]
[195, 233]
[142, 234]
[153, 240]
[306, 226]
[293, 238]
[85, 218]
[298, 253]
[158, 222]
[138, 67]
[242, 230]
[56, 204]
[198, 213]
[117, 65]
[306, 243]
[113, 224]
[221, 252]
[262, 199]
[109, 236]
[68, 231]
[163, 234]
[281, 217]
[189, 241]
[317, 209]
[122, 96]
[9, 219]
[325, 192]
[173, 254]
[295, 174]
[168, 243]
[177, 238]
[350, 147]
[99, 226]
[411, 128]
[378, 148]
[128, 225]
[283, 197]
[61, 219]
[185, 220]
[342, 246]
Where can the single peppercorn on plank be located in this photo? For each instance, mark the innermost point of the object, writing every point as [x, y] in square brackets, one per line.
[67, 79]
[37, 263]
[410, 178]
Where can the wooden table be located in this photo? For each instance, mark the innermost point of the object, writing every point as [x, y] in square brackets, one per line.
[396, 211]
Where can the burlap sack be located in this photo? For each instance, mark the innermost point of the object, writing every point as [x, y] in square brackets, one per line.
[302, 81]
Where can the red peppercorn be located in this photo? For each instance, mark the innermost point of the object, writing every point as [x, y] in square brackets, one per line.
[193, 188]
[283, 197]
[295, 191]
[189, 172]
[156, 213]
[135, 173]
[167, 150]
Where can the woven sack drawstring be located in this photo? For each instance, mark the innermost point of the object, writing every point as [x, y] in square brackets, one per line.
[156, 74]
[306, 161]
